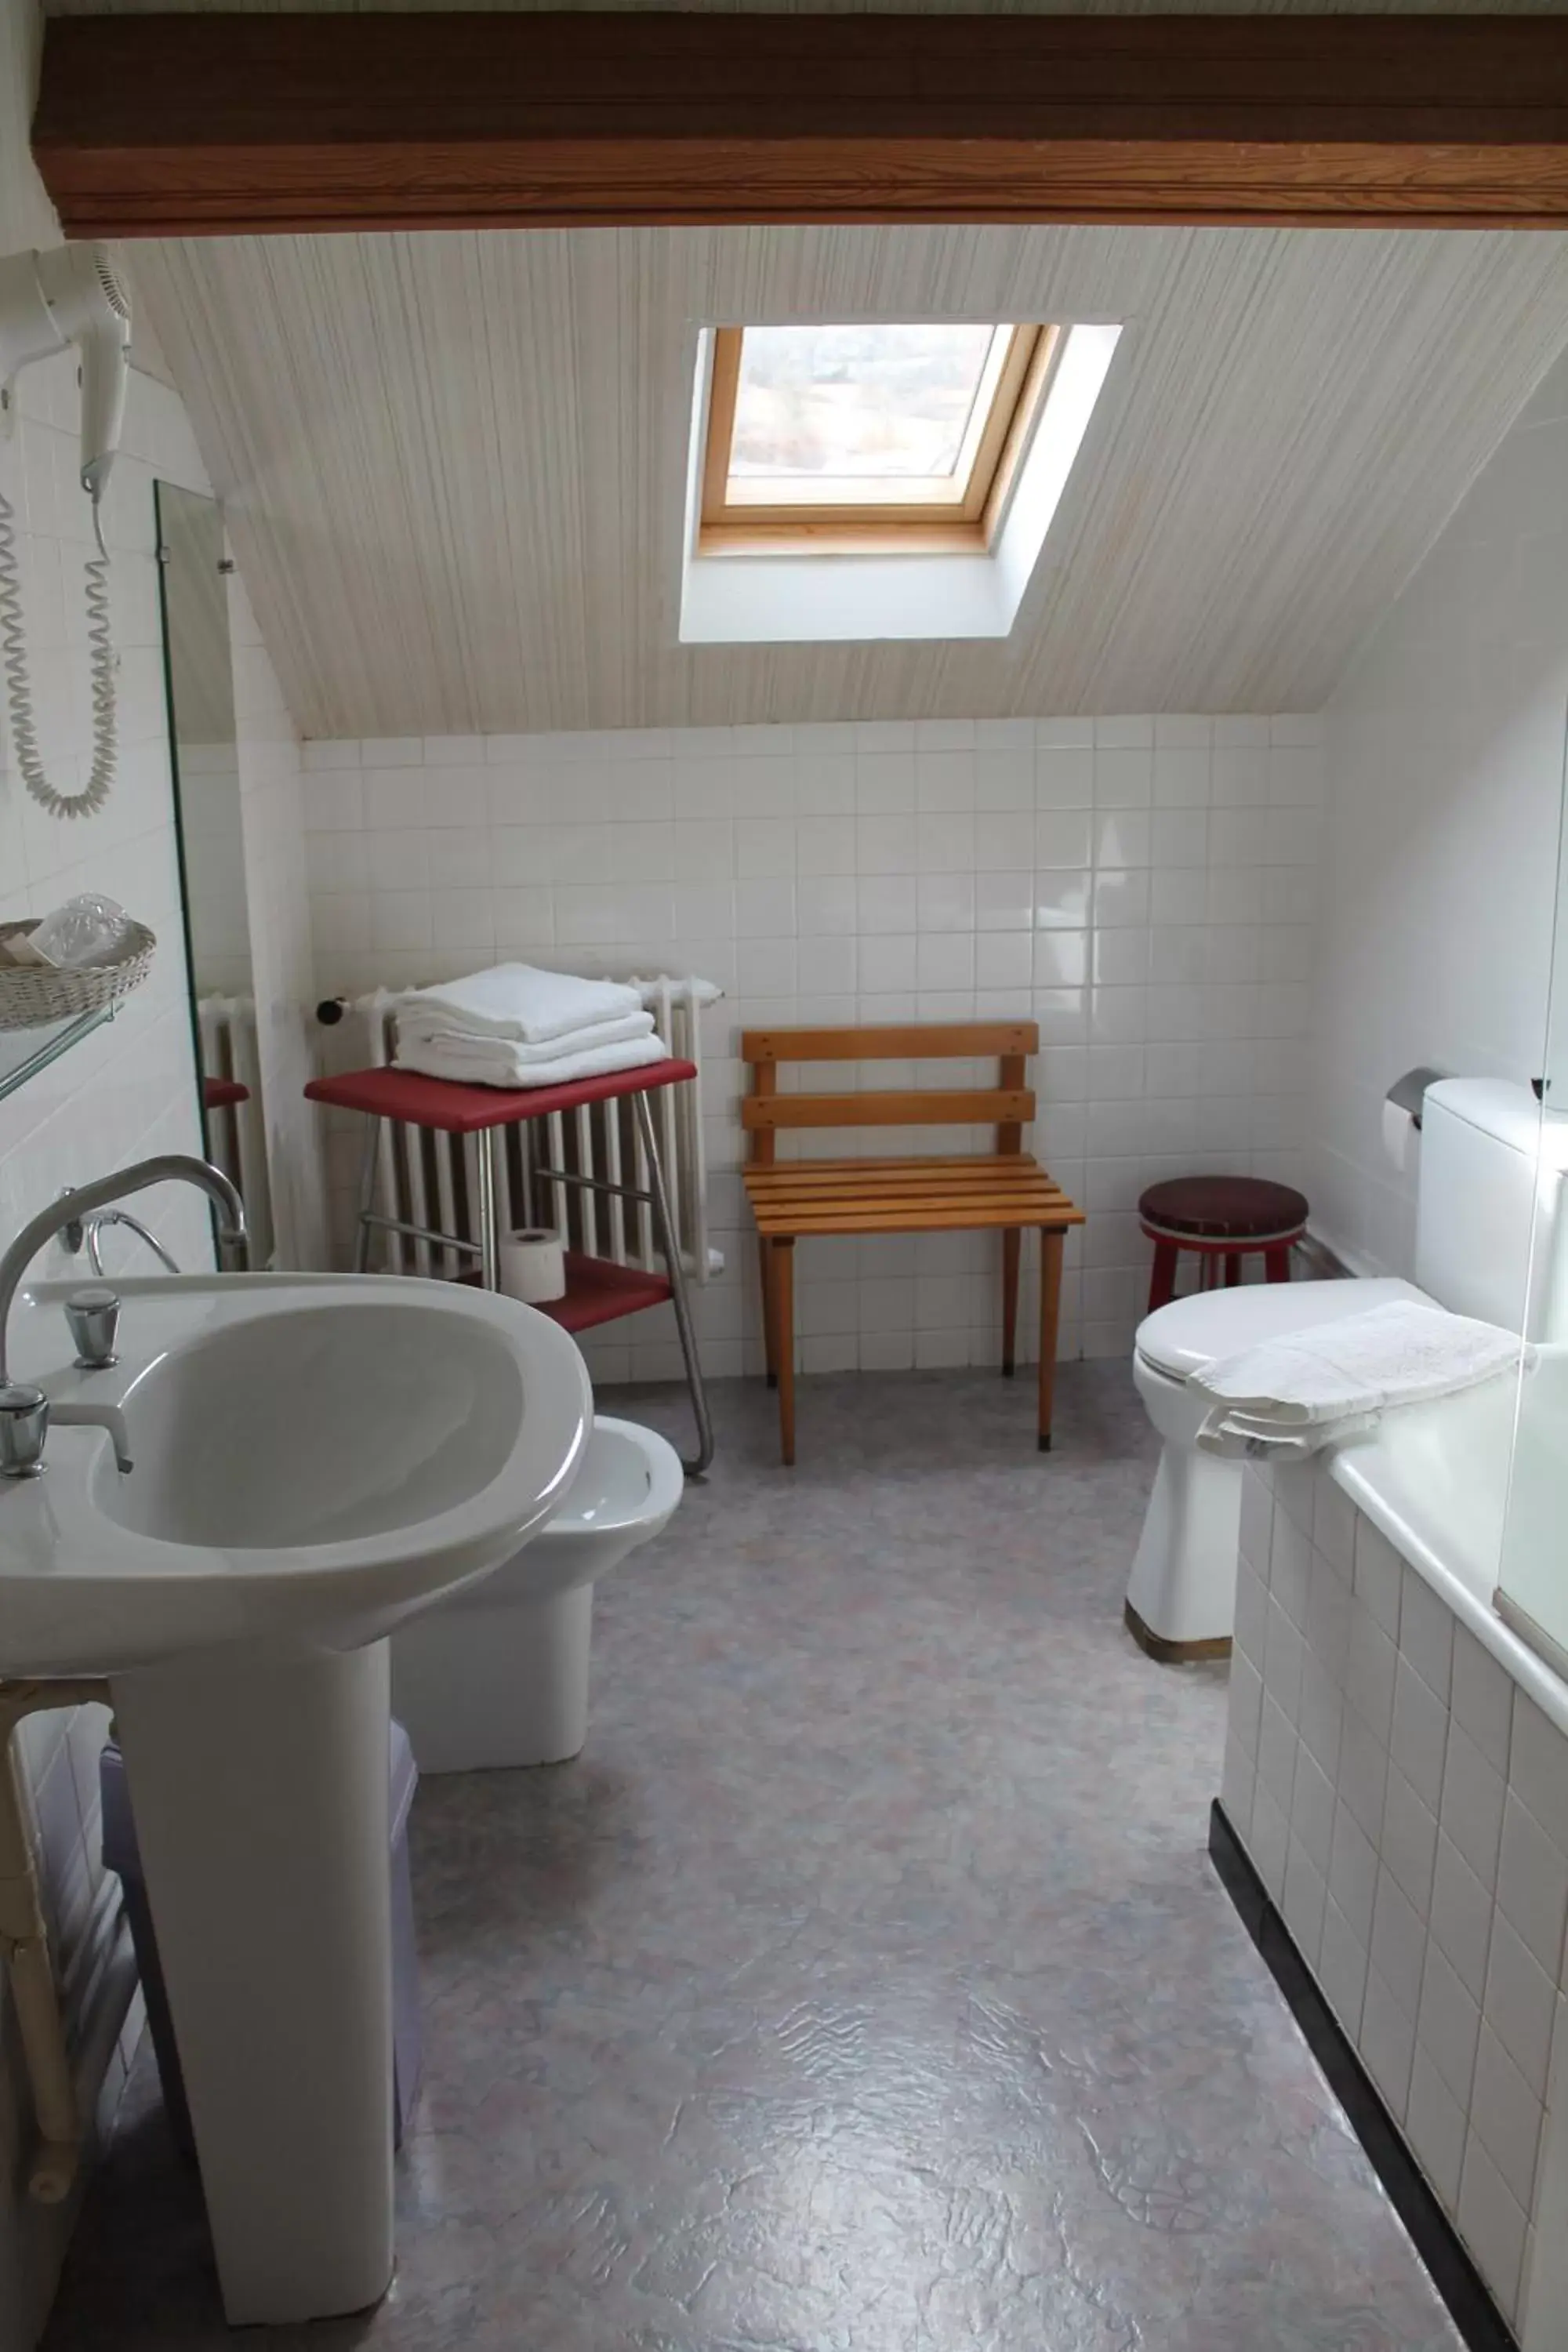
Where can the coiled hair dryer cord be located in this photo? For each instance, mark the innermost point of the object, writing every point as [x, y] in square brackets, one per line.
[19, 693]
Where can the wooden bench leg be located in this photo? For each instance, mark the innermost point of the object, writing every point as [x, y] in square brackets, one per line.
[1050, 1311]
[1277, 1264]
[770, 1338]
[782, 1290]
[1012, 1253]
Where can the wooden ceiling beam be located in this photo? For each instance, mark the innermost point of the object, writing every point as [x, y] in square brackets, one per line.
[197, 125]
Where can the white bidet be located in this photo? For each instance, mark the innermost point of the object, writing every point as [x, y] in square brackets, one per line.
[499, 1676]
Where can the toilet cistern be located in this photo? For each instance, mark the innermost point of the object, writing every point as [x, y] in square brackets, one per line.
[25, 1409]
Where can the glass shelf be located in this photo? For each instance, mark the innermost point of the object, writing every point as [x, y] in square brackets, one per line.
[24, 1051]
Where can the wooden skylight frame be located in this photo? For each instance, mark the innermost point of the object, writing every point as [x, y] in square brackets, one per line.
[964, 521]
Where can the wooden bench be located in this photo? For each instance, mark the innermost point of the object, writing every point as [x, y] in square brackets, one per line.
[1006, 1190]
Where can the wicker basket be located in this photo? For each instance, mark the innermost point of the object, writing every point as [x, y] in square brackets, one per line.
[31, 996]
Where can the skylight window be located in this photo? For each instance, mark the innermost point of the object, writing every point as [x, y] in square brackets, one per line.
[858, 485]
[856, 438]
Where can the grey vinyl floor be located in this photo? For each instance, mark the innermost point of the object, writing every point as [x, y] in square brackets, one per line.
[865, 1986]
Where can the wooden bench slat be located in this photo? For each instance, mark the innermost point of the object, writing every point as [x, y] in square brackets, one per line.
[1019, 1209]
[969, 1107]
[1027, 1176]
[1023, 1205]
[782, 1177]
[926, 1041]
[1035, 1186]
[901, 1160]
[865, 1196]
[973, 1217]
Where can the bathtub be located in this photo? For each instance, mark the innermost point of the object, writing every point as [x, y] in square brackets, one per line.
[1404, 1801]
[1434, 1479]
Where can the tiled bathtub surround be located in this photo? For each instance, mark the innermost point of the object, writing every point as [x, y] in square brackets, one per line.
[1145, 888]
[1407, 1807]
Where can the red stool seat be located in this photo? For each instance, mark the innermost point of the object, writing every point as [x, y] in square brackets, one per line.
[1223, 1208]
[1220, 1217]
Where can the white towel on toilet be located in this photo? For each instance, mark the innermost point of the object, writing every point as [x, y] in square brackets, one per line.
[1244, 1437]
[1292, 1396]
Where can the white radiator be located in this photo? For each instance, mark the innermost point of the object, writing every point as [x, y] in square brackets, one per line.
[427, 1178]
[236, 1132]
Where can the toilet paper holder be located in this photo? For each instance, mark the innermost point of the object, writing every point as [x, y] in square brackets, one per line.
[1409, 1094]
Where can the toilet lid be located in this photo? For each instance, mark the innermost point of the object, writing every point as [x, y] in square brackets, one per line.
[1193, 1333]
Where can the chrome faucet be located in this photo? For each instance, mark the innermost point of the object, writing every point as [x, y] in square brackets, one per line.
[23, 1409]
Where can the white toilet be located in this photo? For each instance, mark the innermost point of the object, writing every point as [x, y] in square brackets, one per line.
[497, 1674]
[1487, 1183]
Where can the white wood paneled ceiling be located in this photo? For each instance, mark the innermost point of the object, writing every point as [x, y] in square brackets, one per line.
[455, 465]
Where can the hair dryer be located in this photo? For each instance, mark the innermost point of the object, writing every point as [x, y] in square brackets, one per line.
[49, 301]
[70, 295]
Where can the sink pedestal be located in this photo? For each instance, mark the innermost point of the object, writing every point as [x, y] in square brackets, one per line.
[261, 1798]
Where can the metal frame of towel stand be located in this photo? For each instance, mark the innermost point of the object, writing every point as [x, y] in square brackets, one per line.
[655, 1199]
[376, 1093]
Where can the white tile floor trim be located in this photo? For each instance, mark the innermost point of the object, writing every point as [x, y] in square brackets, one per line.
[1406, 1806]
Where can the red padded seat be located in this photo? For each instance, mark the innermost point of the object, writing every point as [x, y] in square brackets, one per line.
[1220, 1218]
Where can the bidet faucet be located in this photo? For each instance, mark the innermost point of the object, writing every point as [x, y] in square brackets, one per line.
[90, 1231]
[25, 1408]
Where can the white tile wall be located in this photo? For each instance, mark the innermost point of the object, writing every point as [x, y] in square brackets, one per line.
[1145, 888]
[1407, 1809]
[1445, 758]
[127, 1091]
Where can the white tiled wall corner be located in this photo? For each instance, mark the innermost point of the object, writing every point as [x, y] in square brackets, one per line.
[127, 1091]
[1406, 1808]
[1445, 762]
[1145, 888]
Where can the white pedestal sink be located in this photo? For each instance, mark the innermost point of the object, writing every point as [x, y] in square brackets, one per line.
[313, 1458]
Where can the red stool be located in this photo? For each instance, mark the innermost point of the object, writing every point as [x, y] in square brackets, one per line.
[1219, 1217]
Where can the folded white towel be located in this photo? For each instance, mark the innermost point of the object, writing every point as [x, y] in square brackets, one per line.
[1242, 1436]
[472, 1065]
[520, 1001]
[422, 1028]
[1317, 1387]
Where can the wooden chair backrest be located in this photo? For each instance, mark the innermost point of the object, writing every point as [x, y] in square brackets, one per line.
[1008, 1106]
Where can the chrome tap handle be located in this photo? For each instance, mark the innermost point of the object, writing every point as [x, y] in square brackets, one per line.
[24, 1426]
[92, 1318]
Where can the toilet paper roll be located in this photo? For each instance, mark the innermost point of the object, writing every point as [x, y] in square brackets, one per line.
[534, 1266]
[1398, 1136]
